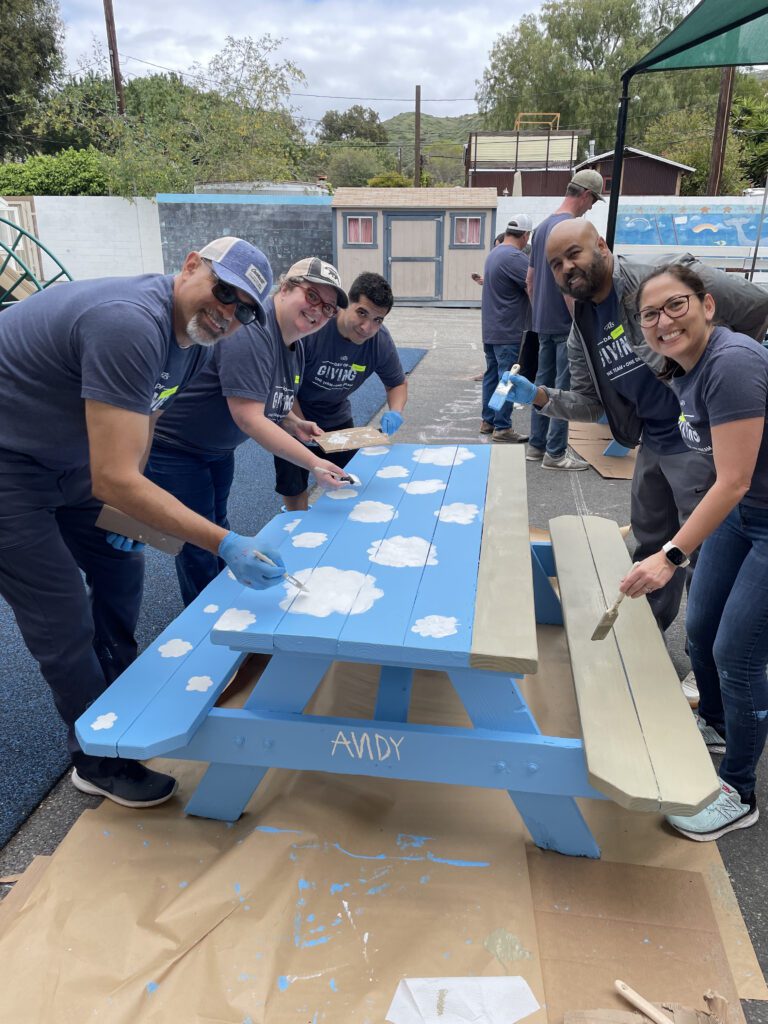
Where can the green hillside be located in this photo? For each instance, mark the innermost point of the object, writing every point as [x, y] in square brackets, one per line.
[433, 129]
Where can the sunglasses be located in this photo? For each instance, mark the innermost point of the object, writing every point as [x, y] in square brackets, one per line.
[227, 296]
[317, 301]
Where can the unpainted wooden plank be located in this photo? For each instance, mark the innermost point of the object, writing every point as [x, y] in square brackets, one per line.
[617, 758]
[504, 631]
[683, 767]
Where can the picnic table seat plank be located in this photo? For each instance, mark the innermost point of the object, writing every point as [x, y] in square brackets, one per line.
[505, 616]
[641, 742]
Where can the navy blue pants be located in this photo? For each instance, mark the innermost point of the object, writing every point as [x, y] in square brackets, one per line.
[498, 358]
[547, 433]
[727, 624]
[80, 631]
[202, 482]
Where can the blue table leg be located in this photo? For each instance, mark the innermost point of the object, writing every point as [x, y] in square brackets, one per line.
[493, 701]
[287, 683]
[614, 449]
[545, 600]
[394, 694]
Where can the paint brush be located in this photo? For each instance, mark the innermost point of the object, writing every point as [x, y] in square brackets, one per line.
[286, 575]
[499, 396]
[650, 1011]
[606, 623]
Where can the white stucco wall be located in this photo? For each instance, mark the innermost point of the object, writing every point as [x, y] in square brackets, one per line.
[100, 236]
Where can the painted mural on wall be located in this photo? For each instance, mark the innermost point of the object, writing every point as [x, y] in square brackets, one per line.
[710, 224]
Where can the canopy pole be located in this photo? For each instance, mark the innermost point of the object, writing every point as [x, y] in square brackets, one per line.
[618, 159]
[759, 231]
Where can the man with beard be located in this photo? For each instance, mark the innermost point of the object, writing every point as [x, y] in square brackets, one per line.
[613, 373]
[86, 368]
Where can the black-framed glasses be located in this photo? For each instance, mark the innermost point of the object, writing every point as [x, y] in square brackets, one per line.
[675, 307]
[316, 300]
[227, 296]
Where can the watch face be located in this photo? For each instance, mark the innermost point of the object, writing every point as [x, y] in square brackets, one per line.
[675, 555]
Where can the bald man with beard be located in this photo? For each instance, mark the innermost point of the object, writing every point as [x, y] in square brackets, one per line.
[613, 372]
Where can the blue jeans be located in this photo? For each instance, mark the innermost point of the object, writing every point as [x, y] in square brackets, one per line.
[727, 626]
[498, 358]
[202, 482]
[546, 432]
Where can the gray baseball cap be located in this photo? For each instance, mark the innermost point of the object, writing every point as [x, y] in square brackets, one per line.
[590, 181]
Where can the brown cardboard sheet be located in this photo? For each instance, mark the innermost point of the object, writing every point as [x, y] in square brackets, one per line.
[352, 438]
[330, 889]
[590, 441]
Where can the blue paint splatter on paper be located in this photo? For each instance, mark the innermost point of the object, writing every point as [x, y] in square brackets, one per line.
[404, 840]
[376, 889]
[183, 885]
[334, 986]
[339, 887]
[424, 879]
[273, 831]
[283, 983]
[152, 986]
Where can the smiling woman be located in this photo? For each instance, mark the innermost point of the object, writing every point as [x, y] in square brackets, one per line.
[721, 381]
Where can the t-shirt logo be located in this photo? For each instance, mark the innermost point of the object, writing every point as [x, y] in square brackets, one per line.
[689, 434]
[162, 397]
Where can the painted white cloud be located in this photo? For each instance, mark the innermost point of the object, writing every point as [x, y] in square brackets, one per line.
[393, 472]
[458, 512]
[448, 455]
[104, 721]
[309, 540]
[200, 684]
[345, 591]
[402, 552]
[289, 527]
[342, 493]
[211, 608]
[372, 512]
[174, 648]
[436, 626]
[375, 449]
[235, 619]
[423, 486]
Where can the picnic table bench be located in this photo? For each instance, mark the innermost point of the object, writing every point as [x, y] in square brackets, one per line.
[426, 564]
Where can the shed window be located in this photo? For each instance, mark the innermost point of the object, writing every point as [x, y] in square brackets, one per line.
[466, 231]
[360, 230]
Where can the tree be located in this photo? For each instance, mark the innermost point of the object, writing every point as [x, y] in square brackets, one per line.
[354, 165]
[390, 179]
[30, 58]
[356, 123]
[569, 58]
[72, 172]
[687, 137]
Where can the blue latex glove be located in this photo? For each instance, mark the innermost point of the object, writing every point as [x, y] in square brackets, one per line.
[117, 540]
[391, 422]
[521, 390]
[238, 553]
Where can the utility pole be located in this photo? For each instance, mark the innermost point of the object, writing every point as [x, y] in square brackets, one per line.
[721, 131]
[417, 141]
[113, 57]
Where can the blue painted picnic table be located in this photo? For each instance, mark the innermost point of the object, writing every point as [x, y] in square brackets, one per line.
[425, 563]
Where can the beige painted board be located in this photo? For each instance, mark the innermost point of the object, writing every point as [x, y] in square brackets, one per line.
[684, 772]
[617, 758]
[504, 630]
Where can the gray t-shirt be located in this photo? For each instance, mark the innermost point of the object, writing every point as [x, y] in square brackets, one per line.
[550, 313]
[505, 307]
[255, 363]
[109, 340]
[334, 367]
[729, 382]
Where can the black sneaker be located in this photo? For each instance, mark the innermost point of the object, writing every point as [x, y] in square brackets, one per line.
[126, 782]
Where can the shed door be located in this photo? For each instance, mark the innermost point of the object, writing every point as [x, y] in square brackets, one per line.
[413, 257]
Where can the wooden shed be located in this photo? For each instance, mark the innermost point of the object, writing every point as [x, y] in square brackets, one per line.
[642, 174]
[426, 241]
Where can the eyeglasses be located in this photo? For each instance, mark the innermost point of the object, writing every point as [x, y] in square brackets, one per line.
[227, 296]
[675, 307]
[317, 301]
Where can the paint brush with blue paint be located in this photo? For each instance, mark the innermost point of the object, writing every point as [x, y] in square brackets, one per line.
[499, 396]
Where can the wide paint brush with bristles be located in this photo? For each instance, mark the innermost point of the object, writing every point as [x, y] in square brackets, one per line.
[606, 623]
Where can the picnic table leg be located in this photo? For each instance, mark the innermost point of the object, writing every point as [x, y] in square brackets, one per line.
[286, 685]
[545, 600]
[394, 694]
[493, 701]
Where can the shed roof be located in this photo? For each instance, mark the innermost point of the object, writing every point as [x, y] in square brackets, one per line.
[636, 152]
[410, 198]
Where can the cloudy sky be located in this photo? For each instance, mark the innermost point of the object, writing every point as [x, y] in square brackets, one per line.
[373, 52]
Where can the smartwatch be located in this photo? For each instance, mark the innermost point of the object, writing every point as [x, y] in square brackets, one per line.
[676, 555]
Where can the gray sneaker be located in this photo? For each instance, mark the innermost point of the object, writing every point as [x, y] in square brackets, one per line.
[533, 454]
[570, 463]
[690, 689]
[509, 436]
[714, 741]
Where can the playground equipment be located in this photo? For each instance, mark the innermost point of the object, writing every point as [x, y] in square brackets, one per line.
[21, 272]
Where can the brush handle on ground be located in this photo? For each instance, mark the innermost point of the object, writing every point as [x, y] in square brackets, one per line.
[641, 1004]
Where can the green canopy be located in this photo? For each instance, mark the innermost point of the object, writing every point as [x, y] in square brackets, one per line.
[716, 33]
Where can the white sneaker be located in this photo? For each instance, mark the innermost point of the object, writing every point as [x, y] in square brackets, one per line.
[726, 813]
[690, 689]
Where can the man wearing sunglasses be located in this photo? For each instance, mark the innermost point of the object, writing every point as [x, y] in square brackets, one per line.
[338, 358]
[246, 390]
[86, 369]
[613, 373]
